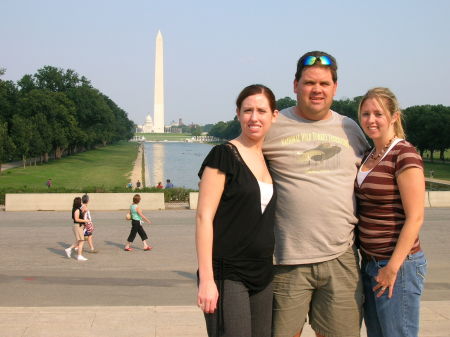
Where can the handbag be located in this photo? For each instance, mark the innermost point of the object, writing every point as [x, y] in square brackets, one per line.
[128, 216]
[89, 227]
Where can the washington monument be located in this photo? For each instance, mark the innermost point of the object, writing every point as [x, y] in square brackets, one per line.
[158, 112]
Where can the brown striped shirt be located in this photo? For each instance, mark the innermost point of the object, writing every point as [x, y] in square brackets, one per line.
[380, 210]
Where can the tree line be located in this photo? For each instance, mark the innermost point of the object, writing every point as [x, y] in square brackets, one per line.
[56, 112]
[427, 126]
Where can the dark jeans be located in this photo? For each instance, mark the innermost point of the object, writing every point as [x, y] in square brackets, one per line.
[136, 228]
[244, 314]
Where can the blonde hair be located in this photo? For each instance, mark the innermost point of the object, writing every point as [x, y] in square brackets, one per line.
[389, 103]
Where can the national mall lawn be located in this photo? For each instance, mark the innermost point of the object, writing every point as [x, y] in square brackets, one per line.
[440, 170]
[100, 170]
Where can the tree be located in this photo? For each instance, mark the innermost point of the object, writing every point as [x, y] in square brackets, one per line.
[124, 128]
[8, 100]
[207, 127]
[59, 112]
[218, 130]
[93, 114]
[285, 102]
[65, 111]
[233, 129]
[226, 130]
[55, 79]
[26, 84]
[6, 144]
[414, 127]
[43, 129]
[37, 145]
[428, 128]
[196, 130]
[347, 107]
[443, 130]
[20, 132]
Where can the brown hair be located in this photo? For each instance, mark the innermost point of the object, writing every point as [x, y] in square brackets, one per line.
[300, 66]
[389, 103]
[76, 203]
[256, 89]
[136, 199]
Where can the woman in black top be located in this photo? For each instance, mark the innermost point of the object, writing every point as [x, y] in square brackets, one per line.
[234, 237]
[78, 230]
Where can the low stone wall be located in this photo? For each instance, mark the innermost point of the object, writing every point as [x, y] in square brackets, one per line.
[437, 199]
[64, 201]
[193, 200]
[121, 201]
[432, 199]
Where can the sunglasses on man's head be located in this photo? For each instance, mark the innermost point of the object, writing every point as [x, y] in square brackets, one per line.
[311, 60]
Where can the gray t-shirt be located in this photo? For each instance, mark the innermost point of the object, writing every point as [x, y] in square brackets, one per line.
[314, 165]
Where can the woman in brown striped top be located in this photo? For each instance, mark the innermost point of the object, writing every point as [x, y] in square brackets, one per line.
[390, 189]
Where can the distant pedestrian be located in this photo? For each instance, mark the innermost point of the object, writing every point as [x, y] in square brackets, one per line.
[89, 226]
[169, 184]
[160, 185]
[138, 184]
[78, 230]
[136, 225]
[49, 183]
[130, 185]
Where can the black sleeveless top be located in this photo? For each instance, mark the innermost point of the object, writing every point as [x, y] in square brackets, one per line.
[243, 241]
[79, 216]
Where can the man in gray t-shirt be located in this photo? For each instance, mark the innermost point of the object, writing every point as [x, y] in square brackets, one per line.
[314, 154]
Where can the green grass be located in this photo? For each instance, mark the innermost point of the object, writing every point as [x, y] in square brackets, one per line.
[107, 167]
[441, 170]
[165, 136]
[429, 186]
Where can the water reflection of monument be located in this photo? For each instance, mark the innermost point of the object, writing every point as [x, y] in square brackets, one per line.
[157, 171]
[178, 162]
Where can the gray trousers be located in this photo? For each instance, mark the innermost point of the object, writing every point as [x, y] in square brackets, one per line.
[244, 314]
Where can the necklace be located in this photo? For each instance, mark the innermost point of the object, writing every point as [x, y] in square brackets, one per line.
[383, 150]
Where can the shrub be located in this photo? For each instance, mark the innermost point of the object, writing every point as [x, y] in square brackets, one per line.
[176, 194]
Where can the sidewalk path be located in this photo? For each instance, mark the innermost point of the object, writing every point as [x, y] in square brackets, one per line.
[154, 321]
[439, 181]
[138, 293]
[12, 164]
[136, 172]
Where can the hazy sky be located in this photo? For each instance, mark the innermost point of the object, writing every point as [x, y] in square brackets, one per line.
[213, 49]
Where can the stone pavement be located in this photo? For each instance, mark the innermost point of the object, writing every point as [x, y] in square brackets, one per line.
[117, 293]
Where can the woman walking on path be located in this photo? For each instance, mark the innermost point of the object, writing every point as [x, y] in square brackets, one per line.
[89, 226]
[390, 190]
[78, 230]
[234, 237]
[136, 228]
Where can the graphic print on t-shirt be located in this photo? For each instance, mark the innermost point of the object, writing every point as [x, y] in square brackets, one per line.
[324, 154]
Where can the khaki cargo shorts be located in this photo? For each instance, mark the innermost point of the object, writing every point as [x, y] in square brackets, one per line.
[78, 231]
[329, 292]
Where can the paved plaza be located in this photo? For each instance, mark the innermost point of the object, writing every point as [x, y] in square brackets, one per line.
[138, 293]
